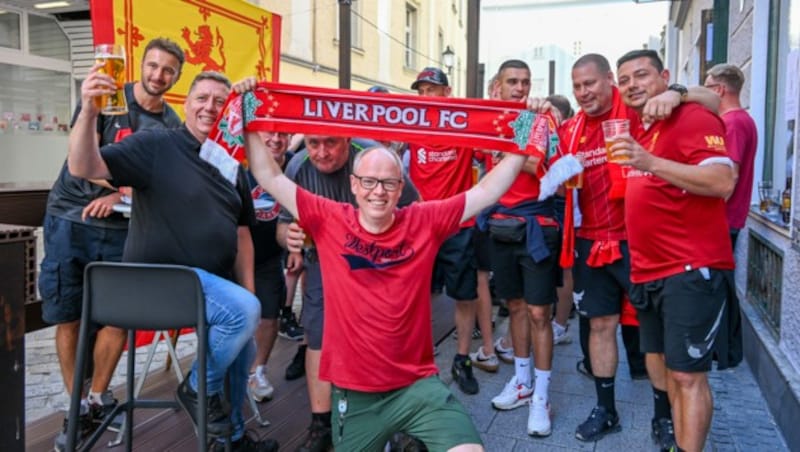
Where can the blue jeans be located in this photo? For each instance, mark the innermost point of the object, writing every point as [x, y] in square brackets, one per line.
[233, 314]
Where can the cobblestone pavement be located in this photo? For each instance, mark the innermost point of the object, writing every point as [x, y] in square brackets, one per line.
[741, 421]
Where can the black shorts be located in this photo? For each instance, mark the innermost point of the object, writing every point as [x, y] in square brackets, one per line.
[270, 287]
[456, 264]
[516, 275]
[599, 291]
[680, 316]
[482, 245]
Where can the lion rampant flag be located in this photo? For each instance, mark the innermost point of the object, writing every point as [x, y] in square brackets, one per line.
[229, 36]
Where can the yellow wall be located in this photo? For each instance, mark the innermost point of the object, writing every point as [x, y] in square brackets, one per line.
[310, 51]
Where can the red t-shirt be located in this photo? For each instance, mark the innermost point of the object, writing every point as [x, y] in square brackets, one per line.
[601, 217]
[741, 139]
[669, 229]
[377, 290]
[439, 173]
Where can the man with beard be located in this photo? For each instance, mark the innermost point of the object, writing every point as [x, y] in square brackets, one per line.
[80, 227]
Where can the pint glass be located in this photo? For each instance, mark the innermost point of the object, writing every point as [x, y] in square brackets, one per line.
[613, 130]
[112, 57]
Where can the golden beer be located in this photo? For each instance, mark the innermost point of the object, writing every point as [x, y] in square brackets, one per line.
[615, 159]
[613, 130]
[575, 181]
[112, 57]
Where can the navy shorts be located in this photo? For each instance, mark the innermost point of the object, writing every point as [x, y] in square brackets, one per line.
[270, 286]
[680, 316]
[68, 247]
[516, 275]
[313, 305]
[456, 262]
[483, 253]
[599, 291]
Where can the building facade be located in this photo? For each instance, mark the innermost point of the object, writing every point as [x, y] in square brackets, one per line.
[762, 37]
[391, 41]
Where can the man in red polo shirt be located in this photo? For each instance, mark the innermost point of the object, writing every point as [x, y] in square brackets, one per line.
[681, 259]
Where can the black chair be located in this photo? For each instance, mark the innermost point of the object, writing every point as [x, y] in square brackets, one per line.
[139, 296]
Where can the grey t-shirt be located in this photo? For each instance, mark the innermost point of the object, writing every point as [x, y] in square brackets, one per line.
[70, 194]
[336, 185]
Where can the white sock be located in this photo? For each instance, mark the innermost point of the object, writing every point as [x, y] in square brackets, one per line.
[542, 384]
[559, 328]
[261, 370]
[522, 369]
[95, 398]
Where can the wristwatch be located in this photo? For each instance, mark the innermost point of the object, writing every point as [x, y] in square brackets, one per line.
[680, 89]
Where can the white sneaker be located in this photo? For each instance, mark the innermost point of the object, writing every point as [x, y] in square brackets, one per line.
[488, 363]
[505, 354]
[560, 334]
[539, 418]
[513, 395]
[259, 387]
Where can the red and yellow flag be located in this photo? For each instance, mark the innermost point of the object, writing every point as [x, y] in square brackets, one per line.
[229, 36]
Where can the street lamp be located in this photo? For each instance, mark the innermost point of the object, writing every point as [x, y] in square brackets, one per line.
[448, 58]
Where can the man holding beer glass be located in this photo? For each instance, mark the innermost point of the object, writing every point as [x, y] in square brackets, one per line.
[80, 225]
[681, 258]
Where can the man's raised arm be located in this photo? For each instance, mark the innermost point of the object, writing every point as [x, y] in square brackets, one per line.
[493, 185]
[268, 174]
[84, 158]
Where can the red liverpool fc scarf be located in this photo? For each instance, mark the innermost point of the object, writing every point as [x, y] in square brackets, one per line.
[436, 121]
[616, 174]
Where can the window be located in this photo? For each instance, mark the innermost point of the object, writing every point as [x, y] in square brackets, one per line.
[46, 38]
[705, 45]
[9, 29]
[782, 95]
[410, 38]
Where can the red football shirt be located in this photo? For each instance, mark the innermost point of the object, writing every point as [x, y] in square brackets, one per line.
[601, 217]
[669, 229]
[439, 173]
[377, 290]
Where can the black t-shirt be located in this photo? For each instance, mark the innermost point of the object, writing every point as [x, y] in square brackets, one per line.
[184, 211]
[266, 224]
[70, 194]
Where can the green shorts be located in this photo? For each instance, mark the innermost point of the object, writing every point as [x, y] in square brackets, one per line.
[427, 410]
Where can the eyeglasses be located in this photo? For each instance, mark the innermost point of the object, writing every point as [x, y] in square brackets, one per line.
[711, 85]
[369, 183]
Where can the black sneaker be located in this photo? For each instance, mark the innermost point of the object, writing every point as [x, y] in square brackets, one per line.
[86, 426]
[402, 442]
[599, 424]
[318, 439]
[288, 327]
[218, 421]
[100, 412]
[250, 442]
[502, 311]
[297, 368]
[663, 433]
[462, 375]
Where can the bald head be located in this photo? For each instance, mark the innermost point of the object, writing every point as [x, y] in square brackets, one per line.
[378, 155]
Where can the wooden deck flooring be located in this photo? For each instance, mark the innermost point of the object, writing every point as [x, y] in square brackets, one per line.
[169, 430]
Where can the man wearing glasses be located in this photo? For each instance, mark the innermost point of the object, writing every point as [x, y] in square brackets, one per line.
[323, 168]
[378, 261]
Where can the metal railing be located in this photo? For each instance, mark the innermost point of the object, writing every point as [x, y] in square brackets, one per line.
[765, 279]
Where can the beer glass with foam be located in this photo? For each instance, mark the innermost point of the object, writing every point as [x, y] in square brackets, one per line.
[112, 57]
